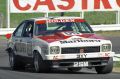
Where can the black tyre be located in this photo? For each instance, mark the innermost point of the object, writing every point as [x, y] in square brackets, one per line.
[15, 64]
[74, 69]
[39, 64]
[105, 69]
[13, 61]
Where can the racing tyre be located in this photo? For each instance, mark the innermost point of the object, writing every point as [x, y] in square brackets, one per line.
[105, 69]
[39, 64]
[74, 69]
[14, 62]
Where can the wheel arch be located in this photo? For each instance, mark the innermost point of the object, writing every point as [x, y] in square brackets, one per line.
[38, 50]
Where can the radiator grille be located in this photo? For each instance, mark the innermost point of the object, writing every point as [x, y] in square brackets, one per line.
[74, 50]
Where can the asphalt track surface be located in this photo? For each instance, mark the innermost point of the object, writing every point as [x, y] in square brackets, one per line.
[7, 73]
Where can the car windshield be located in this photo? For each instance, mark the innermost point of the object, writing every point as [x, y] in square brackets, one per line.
[51, 28]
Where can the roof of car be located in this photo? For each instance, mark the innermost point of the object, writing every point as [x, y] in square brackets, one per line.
[48, 18]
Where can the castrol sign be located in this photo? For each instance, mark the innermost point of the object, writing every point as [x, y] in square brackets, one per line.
[30, 6]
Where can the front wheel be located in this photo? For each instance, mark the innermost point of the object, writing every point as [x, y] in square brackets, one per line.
[105, 69]
[39, 64]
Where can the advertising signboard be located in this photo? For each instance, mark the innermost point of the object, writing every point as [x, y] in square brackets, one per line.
[31, 6]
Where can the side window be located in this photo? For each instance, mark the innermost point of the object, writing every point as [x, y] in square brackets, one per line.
[28, 30]
[18, 32]
[40, 29]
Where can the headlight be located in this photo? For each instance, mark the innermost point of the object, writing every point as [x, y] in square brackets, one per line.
[106, 47]
[54, 50]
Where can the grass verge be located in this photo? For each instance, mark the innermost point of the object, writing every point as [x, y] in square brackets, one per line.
[116, 69]
[116, 66]
[3, 38]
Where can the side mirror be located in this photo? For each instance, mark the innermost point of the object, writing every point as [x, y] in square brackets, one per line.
[8, 36]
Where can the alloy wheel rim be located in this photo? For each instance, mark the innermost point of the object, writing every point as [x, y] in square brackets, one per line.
[11, 60]
[36, 64]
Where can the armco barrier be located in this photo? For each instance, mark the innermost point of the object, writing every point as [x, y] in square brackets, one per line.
[116, 57]
[111, 27]
[4, 31]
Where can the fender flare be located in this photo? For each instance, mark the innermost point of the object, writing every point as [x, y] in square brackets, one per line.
[38, 49]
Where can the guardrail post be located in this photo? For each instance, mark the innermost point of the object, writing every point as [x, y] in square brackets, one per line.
[8, 13]
[1, 20]
[118, 17]
[46, 14]
[82, 14]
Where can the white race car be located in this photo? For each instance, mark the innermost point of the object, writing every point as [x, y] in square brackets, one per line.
[59, 42]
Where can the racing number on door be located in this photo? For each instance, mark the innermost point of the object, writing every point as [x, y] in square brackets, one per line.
[80, 64]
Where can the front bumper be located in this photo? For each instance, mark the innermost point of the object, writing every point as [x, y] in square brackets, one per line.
[80, 56]
[80, 60]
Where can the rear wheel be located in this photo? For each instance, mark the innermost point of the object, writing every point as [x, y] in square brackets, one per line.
[74, 69]
[39, 64]
[15, 64]
[105, 69]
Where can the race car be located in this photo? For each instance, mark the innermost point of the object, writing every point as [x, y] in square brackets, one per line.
[59, 42]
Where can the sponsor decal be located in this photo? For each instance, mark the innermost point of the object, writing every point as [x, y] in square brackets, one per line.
[81, 55]
[29, 6]
[60, 20]
[78, 40]
[71, 33]
[104, 54]
[107, 54]
[55, 57]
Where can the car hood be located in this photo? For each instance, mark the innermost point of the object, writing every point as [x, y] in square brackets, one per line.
[68, 35]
